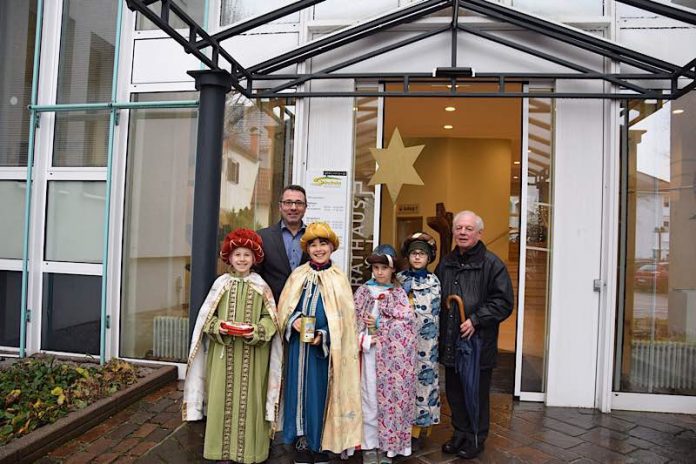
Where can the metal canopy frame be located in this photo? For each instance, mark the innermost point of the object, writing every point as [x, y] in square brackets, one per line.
[656, 78]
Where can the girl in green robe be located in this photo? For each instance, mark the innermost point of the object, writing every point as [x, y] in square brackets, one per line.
[227, 372]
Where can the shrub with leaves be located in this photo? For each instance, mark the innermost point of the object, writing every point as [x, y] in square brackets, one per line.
[39, 391]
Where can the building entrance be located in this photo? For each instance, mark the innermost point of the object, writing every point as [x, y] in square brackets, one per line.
[492, 156]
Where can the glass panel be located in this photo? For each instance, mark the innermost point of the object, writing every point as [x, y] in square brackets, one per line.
[12, 196]
[75, 221]
[257, 148]
[157, 231]
[86, 51]
[356, 9]
[233, 11]
[81, 139]
[362, 237]
[538, 256]
[556, 8]
[656, 325]
[17, 35]
[194, 8]
[71, 313]
[10, 306]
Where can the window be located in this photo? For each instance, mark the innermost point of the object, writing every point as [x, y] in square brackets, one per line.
[12, 196]
[232, 172]
[10, 300]
[17, 34]
[656, 319]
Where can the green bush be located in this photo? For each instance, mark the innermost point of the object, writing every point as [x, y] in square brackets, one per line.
[39, 391]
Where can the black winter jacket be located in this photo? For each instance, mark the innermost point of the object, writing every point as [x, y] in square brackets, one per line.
[483, 282]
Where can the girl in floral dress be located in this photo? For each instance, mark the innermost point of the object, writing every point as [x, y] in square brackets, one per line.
[423, 290]
[387, 339]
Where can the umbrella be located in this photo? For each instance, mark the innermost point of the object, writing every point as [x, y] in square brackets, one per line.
[467, 361]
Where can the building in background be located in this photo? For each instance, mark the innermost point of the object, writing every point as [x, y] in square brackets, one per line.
[591, 202]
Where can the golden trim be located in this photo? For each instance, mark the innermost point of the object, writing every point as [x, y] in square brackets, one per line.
[244, 390]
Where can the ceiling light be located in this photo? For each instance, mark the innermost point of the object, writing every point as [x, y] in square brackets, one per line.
[515, 177]
[448, 126]
[677, 111]
[450, 108]
[515, 162]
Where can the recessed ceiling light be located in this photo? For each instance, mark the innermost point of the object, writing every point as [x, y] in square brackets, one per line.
[450, 108]
[448, 126]
[515, 162]
[677, 111]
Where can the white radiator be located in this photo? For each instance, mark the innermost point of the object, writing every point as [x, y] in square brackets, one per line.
[170, 338]
[663, 364]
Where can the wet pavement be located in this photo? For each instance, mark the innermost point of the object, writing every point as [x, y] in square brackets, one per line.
[151, 431]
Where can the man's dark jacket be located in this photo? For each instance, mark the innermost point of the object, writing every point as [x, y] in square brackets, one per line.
[483, 282]
[275, 267]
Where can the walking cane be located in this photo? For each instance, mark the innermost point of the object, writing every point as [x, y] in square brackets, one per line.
[460, 304]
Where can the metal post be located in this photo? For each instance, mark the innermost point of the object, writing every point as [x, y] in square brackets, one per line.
[213, 86]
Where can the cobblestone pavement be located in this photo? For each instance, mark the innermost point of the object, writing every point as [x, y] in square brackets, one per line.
[151, 431]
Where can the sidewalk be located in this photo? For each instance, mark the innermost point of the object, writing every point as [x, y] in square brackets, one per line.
[151, 431]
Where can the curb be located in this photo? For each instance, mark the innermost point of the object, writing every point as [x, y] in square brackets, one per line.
[45, 439]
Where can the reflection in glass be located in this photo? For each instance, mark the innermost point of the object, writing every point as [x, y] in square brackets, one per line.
[554, 8]
[75, 221]
[656, 322]
[17, 36]
[10, 301]
[86, 63]
[362, 237]
[81, 139]
[256, 163]
[539, 202]
[160, 169]
[194, 8]
[233, 11]
[12, 198]
[71, 313]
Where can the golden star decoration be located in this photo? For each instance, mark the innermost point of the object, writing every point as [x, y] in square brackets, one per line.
[395, 165]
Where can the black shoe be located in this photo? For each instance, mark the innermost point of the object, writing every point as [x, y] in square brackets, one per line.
[470, 452]
[321, 458]
[303, 457]
[453, 445]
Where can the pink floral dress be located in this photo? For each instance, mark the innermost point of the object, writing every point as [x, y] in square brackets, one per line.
[388, 376]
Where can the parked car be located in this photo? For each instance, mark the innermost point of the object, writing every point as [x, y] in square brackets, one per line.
[653, 276]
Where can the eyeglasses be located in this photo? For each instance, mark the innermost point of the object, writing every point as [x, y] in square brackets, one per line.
[418, 253]
[291, 203]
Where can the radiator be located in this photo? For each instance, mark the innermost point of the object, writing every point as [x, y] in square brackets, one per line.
[663, 364]
[170, 338]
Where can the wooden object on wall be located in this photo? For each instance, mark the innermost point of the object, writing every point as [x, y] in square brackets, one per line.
[442, 224]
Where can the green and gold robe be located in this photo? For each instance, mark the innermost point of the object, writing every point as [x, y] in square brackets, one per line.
[235, 370]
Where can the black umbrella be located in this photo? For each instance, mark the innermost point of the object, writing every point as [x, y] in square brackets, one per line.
[467, 362]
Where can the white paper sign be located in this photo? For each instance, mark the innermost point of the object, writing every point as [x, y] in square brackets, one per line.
[326, 201]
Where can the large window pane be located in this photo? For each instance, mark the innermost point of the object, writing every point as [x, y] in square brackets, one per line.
[10, 301]
[81, 139]
[75, 221]
[257, 161]
[71, 313]
[233, 11]
[17, 34]
[555, 8]
[656, 325]
[157, 231]
[86, 63]
[12, 196]
[193, 8]
[538, 255]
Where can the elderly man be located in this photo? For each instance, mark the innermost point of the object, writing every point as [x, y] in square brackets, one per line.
[480, 278]
[281, 241]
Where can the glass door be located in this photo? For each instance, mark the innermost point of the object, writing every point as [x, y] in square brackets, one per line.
[535, 249]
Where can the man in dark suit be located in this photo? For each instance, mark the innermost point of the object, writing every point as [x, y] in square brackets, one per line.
[281, 241]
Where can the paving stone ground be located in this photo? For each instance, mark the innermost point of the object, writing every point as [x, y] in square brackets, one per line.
[151, 432]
